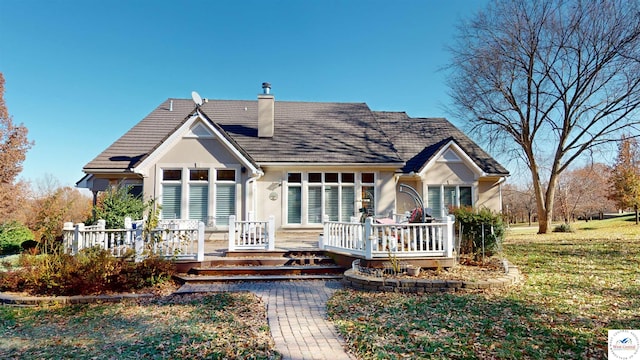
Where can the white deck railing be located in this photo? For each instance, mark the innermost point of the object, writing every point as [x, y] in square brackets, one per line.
[251, 235]
[175, 239]
[373, 241]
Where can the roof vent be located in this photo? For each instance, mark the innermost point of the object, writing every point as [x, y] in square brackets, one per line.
[266, 88]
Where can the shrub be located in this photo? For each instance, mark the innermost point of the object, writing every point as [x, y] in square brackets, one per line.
[563, 228]
[476, 223]
[118, 203]
[92, 271]
[12, 235]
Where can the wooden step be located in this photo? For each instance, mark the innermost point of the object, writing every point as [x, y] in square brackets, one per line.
[184, 279]
[248, 261]
[268, 270]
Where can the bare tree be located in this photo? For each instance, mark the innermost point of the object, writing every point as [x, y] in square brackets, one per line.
[13, 146]
[518, 203]
[549, 79]
[584, 192]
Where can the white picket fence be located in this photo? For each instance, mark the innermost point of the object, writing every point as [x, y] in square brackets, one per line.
[174, 239]
[372, 241]
[251, 234]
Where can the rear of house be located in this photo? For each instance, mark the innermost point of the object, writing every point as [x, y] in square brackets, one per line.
[301, 162]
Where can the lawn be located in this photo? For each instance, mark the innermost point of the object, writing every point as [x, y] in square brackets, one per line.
[576, 287]
[215, 326]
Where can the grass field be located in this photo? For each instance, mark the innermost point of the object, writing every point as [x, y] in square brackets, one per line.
[576, 287]
[220, 326]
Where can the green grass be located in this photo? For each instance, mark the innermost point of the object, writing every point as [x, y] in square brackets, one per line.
[576, 287]
[220, 326]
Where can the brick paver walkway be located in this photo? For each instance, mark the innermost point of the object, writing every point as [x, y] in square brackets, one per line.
[296, 311]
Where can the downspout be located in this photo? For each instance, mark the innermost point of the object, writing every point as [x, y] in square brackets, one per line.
[251, 184]
[502, 179]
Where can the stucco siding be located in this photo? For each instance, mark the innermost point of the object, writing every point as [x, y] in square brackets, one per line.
[449, 173]
[489, 195]
[193, 151]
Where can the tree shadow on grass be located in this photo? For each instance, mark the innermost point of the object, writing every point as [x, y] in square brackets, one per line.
[207, 326]
[462, 326]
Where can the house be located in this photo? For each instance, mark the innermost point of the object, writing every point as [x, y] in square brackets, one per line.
[297, 161]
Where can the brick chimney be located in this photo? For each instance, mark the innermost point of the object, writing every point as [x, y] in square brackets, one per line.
[266, 102]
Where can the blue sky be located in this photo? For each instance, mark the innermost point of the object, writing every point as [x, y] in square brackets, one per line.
[79, 74]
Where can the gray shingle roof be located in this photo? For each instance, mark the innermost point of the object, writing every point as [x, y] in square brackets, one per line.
[305, 132]
[417, 140]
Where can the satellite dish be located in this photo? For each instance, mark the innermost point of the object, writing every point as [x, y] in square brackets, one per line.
[196, 98]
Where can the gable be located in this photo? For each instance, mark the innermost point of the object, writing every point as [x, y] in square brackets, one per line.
[420, 141]
[200, 150]
[202, 141]
[453, 157]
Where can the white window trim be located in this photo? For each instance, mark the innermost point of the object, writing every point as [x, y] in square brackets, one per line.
[305, 185]
[443, 210]
[185, 181]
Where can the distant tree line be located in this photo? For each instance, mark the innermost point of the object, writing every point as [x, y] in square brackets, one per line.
[584, 193]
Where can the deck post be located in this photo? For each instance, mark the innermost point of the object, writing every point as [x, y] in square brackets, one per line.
[271, 233]
[138, 246]
[68, 240]
[325, 237]
[77, 238]
[200, 256]
[232, 233]
[369, 238]
[129, 233]
[78, 241]
[448, 244]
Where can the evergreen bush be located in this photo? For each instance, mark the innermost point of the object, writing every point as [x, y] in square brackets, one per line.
[12, 235]
[474, 224]
[116, 204]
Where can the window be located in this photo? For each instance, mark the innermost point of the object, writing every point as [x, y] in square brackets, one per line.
[368, 193]
[294, 198]
[465, 196]
[450, 197]
[199, 175]
[172, 175]
[433, 201]
[347, 207]
[440, 198]
[225, 195]
[331, 194]
[171, 193]
[314, 199]
[199, 195]
[226, 175]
